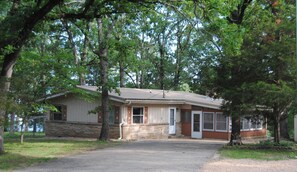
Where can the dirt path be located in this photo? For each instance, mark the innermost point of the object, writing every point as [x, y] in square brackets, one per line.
[243, 165]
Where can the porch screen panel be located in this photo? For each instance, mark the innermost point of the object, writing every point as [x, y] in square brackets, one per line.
[256, 123]
[259, 124]
[244, 124]
[221, 122]
[208, 121]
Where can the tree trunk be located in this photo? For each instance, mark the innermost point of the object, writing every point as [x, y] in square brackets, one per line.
[235, 132]
[26, 125]
[122, 75]
[104, 135]
[11, 128]
[82, 78]
[34, 126]
[71, 41]
[177, 64]
[6, 122]
[17, 43]
[78, 60]
[277, 128]
[138, 79]
[103, 55]
[5, 77]
[161, 68]
[1, 141]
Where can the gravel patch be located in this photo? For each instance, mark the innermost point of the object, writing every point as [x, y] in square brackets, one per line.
[248, 165]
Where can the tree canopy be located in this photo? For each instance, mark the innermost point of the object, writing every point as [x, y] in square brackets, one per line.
[241, 51]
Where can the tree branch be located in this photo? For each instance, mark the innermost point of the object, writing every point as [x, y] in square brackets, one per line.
[237, 15]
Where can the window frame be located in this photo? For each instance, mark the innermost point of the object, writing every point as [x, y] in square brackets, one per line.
[132, 114]
[213, 126]
[59, 111]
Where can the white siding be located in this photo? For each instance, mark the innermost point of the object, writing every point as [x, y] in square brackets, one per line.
[123, 114]
[295, 128]
[178, 115]
[157, 114]
[77, 109]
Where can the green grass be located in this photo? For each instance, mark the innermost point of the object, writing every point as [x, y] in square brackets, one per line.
[262, 151]
[37, 149]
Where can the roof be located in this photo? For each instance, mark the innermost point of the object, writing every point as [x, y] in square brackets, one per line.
[153, 96]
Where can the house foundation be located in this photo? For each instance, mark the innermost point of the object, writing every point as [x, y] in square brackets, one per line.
[78, 129]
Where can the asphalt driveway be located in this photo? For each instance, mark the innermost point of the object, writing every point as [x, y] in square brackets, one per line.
[153, 155]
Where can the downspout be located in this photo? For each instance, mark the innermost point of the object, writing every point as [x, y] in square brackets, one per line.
[121, 125]
[128, 102]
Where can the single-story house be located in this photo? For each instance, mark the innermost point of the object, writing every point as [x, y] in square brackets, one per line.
[145, 114]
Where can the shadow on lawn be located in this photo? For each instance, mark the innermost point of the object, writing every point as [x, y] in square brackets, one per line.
[9, 161]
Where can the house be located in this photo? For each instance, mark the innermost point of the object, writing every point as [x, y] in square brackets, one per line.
[145, 114]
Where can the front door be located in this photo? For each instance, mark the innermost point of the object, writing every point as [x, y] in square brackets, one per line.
[172, 120]
[196, 124]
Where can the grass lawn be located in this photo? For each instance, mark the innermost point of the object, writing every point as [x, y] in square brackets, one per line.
[262, 151]
[36, 149]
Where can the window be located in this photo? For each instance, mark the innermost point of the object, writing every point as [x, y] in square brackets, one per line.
[137, 115]
[59, 114]
[208, 121]
[221, 122]
[111, 115]
[259, 124]
[256, 123]
[248, 123]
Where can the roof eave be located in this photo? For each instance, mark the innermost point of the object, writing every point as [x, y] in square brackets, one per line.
[53, 96]
[166, 102]
[206, 105]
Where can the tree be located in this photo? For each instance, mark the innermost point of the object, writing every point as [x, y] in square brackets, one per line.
[103, 38]
[261, 76]
[15, 29]
[21, 18]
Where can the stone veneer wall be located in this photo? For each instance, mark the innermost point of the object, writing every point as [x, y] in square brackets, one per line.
[148, 131]
[77, 129]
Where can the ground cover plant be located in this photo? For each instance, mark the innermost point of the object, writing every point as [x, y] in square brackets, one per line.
[265, 150]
